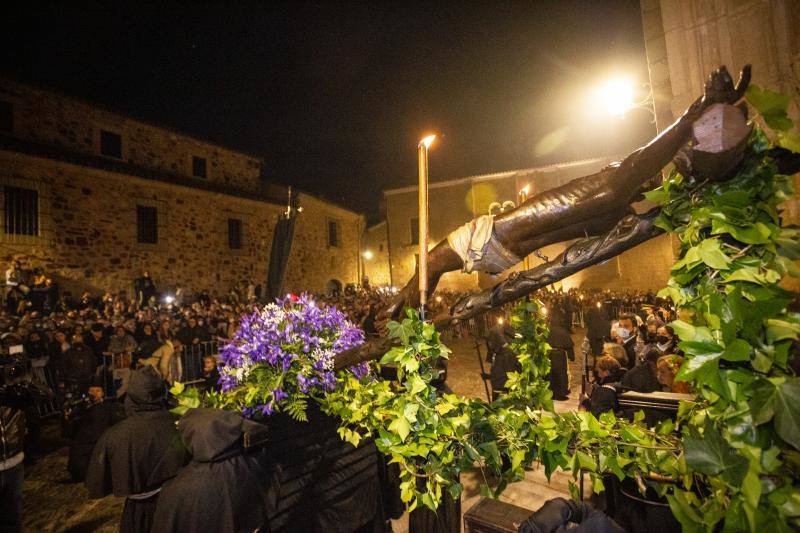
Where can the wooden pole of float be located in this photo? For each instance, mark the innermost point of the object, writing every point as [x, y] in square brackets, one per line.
[422, 154]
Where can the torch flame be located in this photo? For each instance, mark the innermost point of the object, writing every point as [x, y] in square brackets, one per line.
[427, 141]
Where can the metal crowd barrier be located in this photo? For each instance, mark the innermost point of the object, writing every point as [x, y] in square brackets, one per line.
[191, 358]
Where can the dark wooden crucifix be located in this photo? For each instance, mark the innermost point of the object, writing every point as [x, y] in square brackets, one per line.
[708, 141]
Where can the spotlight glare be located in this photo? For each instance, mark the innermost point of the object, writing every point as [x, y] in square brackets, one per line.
[616, 95]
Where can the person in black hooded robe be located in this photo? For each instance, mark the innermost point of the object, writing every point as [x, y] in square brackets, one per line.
[223, 489]
[136, 456]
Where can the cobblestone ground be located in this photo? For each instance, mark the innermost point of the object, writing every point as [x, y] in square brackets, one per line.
[50, 504]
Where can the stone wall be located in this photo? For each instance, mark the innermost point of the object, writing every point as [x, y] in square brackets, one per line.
[314, 262]
[50, 118]
[88, 235]
[376, 259]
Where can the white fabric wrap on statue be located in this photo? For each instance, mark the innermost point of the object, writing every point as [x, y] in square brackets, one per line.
[478, 247]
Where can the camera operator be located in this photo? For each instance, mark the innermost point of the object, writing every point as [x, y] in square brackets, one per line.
[78, 365]
[17, 393]
[85, 420]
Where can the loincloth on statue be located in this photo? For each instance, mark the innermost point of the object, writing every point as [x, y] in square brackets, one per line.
[479, 248]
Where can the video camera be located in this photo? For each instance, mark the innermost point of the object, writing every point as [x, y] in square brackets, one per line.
[75, 404]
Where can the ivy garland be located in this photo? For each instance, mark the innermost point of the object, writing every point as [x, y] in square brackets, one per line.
[434, 437]
[731, 461]
[741, 439]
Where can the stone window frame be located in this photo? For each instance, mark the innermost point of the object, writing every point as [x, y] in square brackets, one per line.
[162, 224]
[207, 160]
[244, 214]
[241, 233]
[117, 129]
[338, 244]
[46, 227]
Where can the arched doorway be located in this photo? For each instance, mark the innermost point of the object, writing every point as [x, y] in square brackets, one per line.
[334, 286]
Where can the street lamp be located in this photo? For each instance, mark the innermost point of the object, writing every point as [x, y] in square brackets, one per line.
[616, 95]
[422, 154]
[367, 255]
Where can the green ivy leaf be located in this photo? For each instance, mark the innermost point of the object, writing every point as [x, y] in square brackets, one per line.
[683, 330]
[778, 330]
[685, 513]
[787, 411]
[712, 256]
[758, 233]
[657, 196]
[790, 140]
[493, 452]
[737, 350]
[711, 455]
[751, 487]
[455, 491]
[699, 355]
[400, 426]
[771, 105]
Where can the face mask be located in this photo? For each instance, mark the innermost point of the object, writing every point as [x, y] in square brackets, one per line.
[623, 333]
[662, 339]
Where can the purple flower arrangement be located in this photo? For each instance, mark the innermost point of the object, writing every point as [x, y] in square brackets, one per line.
[283, 354]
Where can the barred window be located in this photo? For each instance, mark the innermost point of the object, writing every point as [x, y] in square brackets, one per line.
[6, 117]
[234, 233]
[146, 224]
[21, 211]
[199, 167]
[333, 233]
[111, 144]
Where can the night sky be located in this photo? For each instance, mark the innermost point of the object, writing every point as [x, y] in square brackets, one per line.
[334, 96]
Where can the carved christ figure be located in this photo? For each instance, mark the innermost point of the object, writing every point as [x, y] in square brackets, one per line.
[589, 206]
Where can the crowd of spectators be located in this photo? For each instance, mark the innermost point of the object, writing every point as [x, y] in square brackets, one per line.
[81, 351]
[628, 342]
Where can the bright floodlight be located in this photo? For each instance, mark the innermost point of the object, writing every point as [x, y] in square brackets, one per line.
[617, 96]
[427, 141]
[169, 299]
[367, 255]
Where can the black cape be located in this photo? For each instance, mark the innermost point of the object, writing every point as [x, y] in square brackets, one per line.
[223, 489]
[318, 483]
[83, 432]
[139, 454]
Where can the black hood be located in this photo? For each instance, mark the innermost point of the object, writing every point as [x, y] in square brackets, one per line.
[145, 391]
[210, 433]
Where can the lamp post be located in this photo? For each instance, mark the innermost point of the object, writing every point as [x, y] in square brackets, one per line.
[422, 155]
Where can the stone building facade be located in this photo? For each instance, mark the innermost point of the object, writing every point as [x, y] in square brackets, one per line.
[94, 198]
[455, 202]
